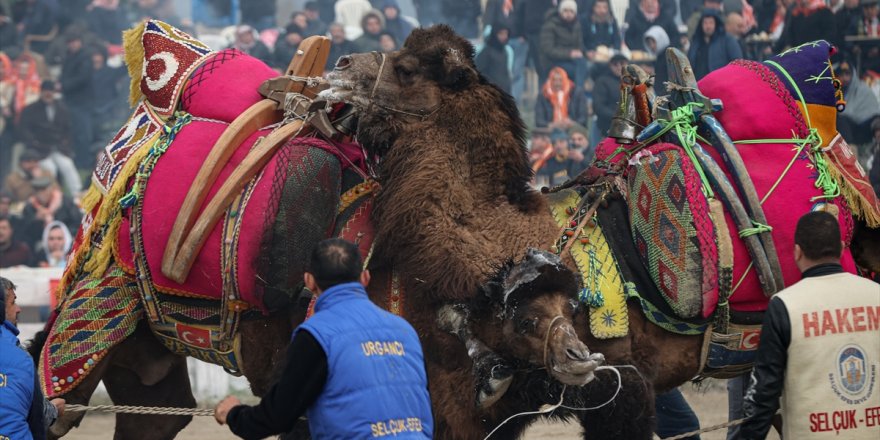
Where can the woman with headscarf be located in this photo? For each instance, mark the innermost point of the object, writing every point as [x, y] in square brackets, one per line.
[561, 103]
[55, 245]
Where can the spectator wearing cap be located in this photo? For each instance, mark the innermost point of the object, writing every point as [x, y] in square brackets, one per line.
[286, 46]
[495, 58]
[559, 168]
[19, 182]
[561, 102]
[606, 92]
[45, 128]
[372, 24]
[397, 25]
[315, 24]
[76, 87]
[246, 41]
[810, 20]
[641, 18]
[340, 46]
[562, 43]
[712, 48]
[47, 205]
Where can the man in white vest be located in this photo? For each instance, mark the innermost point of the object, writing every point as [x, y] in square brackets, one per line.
[820, 343]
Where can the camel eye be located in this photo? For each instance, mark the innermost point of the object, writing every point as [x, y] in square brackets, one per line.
[526, 325]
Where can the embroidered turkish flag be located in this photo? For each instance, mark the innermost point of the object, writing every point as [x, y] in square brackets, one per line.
[197, 337]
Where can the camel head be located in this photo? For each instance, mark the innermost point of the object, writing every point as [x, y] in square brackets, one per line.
[536, 302]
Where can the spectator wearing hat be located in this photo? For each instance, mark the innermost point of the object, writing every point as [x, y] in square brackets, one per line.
[18, 184]
[372, 24]
[561, 102]
[286, 46]
[47, 205]
[562, 43]
[559, 168]
[76, 87]
[606, 92]
[45, 128]
[397, 25]
[641, 18]
[246, 41]
[711, 47]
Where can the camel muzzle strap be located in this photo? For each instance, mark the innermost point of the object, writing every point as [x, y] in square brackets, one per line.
[422, 114]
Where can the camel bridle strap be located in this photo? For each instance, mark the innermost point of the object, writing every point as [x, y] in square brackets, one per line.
[547, 339]
[421, 114]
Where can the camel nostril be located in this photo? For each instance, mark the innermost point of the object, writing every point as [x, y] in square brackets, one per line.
[576, 355]
[344, 62]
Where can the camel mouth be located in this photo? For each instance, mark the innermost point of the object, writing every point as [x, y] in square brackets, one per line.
[576, 373]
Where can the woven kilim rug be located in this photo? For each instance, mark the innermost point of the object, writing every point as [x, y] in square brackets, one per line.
[98, 314]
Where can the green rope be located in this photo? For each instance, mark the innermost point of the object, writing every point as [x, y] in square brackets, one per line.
[830, 188]
[683, 123]
[757, 228]
[796, 88]
[169, 132]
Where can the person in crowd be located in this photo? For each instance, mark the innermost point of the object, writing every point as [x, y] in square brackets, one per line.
[463, 16]
[816, 346]
[286, 46]
[24, 412]
[8, 32]
[712, 48]
[40, 18]
[561, 103]
[861, 108]
[258, 14]
[503, 13]
[372, 23]
[45, 129]
[55, 245]
[529, 27]
[495, 58]
[599, 28]
[693, 22]
[540, 147]
[215, 13]
[870, 23]
[340, 46]
[846, 21]
[110, 87]
[606, 92]
[45, 206]
[107, 20]
[810, 20]
[164, 10]
[656, 42]
[559, 168]
[19, 183]
[7, 121]
[562, 43]
[301, 20]
[26, 78]
[351, 12]
[428, 12]
[13, 252]
[674, 415]
[395, 24]
[330, 369]
[246, 41]
[327, 10]
[315, 24]
[387, 43]
[640, 19]
[580, 148]
[735, 26]
[76, 87]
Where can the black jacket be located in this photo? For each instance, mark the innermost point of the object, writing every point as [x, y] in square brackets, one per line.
[600, 34]
[800, 29]
[76, 78]
[606, 94]
[529, 15]
[43, 136]
[493, 60]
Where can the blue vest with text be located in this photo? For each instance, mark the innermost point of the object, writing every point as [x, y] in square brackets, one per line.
[376, 381]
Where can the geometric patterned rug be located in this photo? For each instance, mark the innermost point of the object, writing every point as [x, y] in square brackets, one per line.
[98, 314]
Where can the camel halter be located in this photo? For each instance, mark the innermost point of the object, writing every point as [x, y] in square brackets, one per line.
[547, 339]
[422, 114]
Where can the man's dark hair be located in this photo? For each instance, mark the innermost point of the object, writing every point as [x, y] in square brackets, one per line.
[5, 286]
[335, 261]
[818, 235]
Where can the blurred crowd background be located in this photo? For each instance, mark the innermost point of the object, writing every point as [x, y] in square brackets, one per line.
[63, 87]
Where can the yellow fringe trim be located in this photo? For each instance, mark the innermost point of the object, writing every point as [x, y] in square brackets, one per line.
[860, 208]
[132, 42]
[109, 213]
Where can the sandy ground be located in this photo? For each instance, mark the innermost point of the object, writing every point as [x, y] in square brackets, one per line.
[709, 404]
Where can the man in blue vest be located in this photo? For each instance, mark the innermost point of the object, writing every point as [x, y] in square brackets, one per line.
[357, 370]
[24, 412]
